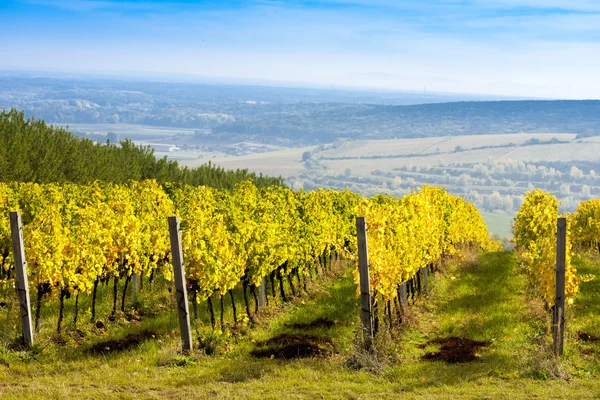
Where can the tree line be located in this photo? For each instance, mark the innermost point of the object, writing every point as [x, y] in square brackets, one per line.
[33, 151]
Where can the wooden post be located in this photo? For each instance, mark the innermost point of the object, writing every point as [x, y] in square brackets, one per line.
[135, 286]
[366, 314]
[403, 294]
[558, 320]
[180, 287]
[21, 282]
[135, 283]
[424, 280]
[262, 292]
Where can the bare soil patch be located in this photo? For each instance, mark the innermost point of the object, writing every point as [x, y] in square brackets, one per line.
[125, 343]
[588, 337]
[454, 350]
[288, 346]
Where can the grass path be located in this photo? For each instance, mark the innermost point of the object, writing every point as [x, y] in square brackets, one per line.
[584, 319]
[483, 300]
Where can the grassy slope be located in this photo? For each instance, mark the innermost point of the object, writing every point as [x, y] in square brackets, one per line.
[584, 317]
[485, 300]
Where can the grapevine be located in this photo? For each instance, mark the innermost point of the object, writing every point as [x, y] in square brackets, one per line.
[534, 232]
[78, 236]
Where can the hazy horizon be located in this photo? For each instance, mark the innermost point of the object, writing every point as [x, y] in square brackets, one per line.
[179, 78]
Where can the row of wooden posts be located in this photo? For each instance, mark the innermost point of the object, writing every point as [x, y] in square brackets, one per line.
[181, 296]
[366, 312]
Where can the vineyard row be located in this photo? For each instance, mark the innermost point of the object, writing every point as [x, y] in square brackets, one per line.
[77, 236]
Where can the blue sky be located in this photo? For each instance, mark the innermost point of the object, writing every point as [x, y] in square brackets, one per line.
[528, 48]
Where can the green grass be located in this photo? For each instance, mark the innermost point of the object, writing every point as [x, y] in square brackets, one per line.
[586, 309]
[486, 299]
[584, 317]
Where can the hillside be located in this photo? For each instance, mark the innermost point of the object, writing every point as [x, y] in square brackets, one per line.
[286, 116]
[327, 122]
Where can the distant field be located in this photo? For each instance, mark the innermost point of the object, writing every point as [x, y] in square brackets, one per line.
[367, 148]
[400, 165]
[395, 153]
[584, 150]
[284, 162]
[136, 132]
[288, 162]
[359, 148]
[498, 224]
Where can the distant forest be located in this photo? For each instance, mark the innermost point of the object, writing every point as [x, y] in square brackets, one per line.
[327, 122]
[32, 151]
[286, 116]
